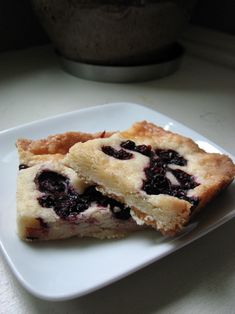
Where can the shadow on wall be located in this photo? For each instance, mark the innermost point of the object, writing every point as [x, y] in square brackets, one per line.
[215, 14]
[19, 27]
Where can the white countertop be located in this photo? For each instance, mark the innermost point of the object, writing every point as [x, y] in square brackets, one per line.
[199, 278]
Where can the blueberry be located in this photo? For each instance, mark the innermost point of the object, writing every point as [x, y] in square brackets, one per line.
[23, 166]
[144, 150]
[156, 181]
[43, 224]
[118, 154]
[123, 213]
[46, 201]
[50, 181]
[128, 145]
[67, 203]
[186, 181]
[171, 157]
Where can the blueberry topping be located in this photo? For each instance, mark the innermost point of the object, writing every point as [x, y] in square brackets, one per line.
[23, 166]
[157, 184]
[186, 181]
[43, 224]
[156, 181]
[119, 154]
[142, 149]
[59, 195]
[119, 210]
[47, 200]
[52, 182]
[170, 156]
[128, 145]
[67, 203]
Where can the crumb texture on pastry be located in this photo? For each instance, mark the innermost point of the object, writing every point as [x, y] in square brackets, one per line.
[54, 147]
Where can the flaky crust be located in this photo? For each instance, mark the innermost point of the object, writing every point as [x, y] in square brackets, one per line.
[124, 178]
[54, 147]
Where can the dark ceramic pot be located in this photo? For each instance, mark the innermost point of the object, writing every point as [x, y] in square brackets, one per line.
[114, 32]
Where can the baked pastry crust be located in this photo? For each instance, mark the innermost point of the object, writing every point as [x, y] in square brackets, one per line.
[124, 178]
[54, 147]
[42, 223]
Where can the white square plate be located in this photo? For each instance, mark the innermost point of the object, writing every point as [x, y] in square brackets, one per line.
[66, 269]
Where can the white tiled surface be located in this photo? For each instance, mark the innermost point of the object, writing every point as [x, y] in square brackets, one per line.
[198, 278]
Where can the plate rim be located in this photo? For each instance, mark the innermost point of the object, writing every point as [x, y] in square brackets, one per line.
[107, 105]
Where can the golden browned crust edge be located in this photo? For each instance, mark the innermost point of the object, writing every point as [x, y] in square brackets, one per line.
[147, 129]
[54, 147]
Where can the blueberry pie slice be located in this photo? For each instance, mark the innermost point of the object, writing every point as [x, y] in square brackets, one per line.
[54, 203]
[162, 176]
